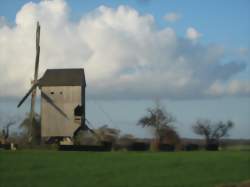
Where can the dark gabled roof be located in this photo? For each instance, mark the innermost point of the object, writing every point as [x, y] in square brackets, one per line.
[63, 77]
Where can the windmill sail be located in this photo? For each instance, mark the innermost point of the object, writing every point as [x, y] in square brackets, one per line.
[26, 95]
[33, 95]
[32, 90]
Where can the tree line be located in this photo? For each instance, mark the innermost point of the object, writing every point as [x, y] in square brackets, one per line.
[157, 118]
[163, 124]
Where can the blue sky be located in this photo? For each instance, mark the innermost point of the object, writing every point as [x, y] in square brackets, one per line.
[223, 21]
[217, 24]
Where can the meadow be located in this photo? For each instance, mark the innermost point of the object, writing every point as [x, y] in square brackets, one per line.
[122, 169]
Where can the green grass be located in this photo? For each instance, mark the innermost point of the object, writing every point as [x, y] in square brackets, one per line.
[122, 169]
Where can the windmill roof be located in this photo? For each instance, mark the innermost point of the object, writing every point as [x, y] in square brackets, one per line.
[63, 77]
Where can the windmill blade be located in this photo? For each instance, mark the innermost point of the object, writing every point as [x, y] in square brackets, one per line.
[33, 96]
[51, 102]
[37, 51]
[27, 94]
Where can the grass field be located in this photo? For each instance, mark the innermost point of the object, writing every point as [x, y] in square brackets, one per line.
[122, 169]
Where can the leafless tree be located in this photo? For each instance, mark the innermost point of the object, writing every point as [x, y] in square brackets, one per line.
[7, 123]
[160, 120]
[212, 132]
[102, 134]
[106, 133]
[35, 128]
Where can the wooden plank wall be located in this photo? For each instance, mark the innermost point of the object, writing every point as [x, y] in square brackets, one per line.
[57, 110]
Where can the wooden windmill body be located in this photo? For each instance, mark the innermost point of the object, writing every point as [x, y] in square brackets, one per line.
[62, 99]
[62, 102]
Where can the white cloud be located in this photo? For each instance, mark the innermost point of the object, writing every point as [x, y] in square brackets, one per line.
[216, 89]
[239, 87]
[193, 34]
[124, 55]
[172, 17]
[234, 87]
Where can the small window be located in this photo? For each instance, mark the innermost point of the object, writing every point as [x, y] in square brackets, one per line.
[51, 93]
[78, 111]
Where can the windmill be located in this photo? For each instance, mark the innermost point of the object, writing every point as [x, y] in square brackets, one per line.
[33, 88]
[62, 100]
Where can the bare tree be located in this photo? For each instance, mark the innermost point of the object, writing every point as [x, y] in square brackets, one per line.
[102, 134]
[160, 120]
[7, 123]
[106, 133]
[34, 128]
[212, 132]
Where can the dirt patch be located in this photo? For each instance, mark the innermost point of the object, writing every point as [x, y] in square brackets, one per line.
[242, 184]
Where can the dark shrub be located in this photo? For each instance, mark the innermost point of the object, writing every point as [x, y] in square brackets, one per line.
[138, 146]
[124, 142]
[191, 147]
[166, 147]
[212, 147]
[1, 146]
[104, 147]
[107, 145]
[7, 146]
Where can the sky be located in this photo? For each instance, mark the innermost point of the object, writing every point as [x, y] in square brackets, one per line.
[194, 57]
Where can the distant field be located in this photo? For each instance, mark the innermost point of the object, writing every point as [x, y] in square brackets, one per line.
[122, 169]
[238, 148]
